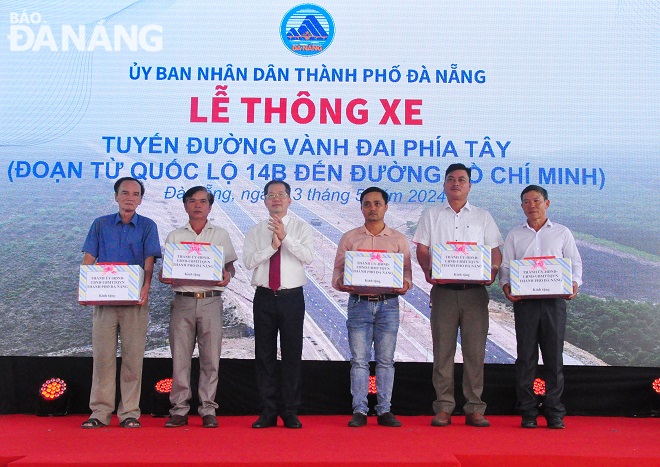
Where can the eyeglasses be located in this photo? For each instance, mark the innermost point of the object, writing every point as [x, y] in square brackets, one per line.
[276, 195]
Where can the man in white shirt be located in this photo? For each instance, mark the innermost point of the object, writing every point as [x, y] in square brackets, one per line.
[277, 249]
[540, 321]
[454, 305]
[196, 314]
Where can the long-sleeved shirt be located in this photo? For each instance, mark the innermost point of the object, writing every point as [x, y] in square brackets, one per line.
[551, 240]
[296, 251]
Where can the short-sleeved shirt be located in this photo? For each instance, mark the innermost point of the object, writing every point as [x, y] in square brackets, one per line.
[360, 238]
[111, 241]
[441, 224]
[210, 234]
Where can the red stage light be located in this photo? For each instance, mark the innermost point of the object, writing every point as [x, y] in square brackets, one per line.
[164, 386]
[52, 389]
[539, 387]
[372, 385]
[54, 398]
[161, 398]
[656, 385]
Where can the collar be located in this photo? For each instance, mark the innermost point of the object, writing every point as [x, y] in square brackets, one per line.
[548, 224]
[208, 226]
[386, 232]
[134, 219]
[467, 207]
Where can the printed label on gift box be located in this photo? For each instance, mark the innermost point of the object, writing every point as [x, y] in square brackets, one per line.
[373, 269]
[541, 277]
[193, 262]
[106, 284]
[461, 261]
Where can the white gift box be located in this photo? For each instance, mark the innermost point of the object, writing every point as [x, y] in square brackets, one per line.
[541, 277]
[193, 263]
[110, 284]
[373, 269]
[461, 262]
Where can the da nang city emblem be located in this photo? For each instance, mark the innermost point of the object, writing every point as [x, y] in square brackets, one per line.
[307, 30]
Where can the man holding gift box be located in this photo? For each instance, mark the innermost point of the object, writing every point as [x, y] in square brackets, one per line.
[540, 321]
[128, 238]
[373, 316]
[196, 314]
[455, 305]
[278, 249]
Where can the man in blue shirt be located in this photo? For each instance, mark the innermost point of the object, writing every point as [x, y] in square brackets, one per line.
[129, 238]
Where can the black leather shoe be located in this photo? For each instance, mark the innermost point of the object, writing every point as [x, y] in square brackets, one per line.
[291, 421]
[555, 422]
[176, 421]
[388, 419]
[209, 421]
[265, 421]
[358, 419]
[529, 422]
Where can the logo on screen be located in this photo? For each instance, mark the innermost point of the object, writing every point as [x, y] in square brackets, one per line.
[30, 32]
[307, 30]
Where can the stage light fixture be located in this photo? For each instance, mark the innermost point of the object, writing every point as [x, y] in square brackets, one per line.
[164, 386]
[54, 398]
[372, 385]
[161, 398]
[656, 385]
[539, 387]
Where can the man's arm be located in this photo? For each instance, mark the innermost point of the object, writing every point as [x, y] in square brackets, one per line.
[424, 260]
[164, 280]
[148, 273]
[495, 263]
[338, 272]
[509, 254]
[227, 273]
[300, 242]
[252, 255]
[404, 248]
[88, 259]
[571, 251]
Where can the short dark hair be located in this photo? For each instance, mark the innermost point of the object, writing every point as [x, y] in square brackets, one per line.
[374, 189]
[538, 189]
[458, 166]
[281, 182]
[128, 179]
[189, 194]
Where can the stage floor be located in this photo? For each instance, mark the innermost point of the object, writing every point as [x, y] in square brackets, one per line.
[326, 440]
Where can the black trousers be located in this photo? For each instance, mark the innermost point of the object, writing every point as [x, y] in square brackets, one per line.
[279, 391]
[540, 323]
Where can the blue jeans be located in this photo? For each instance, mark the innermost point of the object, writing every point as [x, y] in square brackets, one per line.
[367, 323]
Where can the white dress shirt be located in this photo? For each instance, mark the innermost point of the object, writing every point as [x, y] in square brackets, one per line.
[551, 240]
[440, 224]
[297, 250]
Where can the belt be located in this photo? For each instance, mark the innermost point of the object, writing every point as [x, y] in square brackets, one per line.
[459, 286]
[209, 294]
[278, 292]
[375, 298]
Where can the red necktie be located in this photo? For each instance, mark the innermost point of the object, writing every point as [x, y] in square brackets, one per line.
[274, 281]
